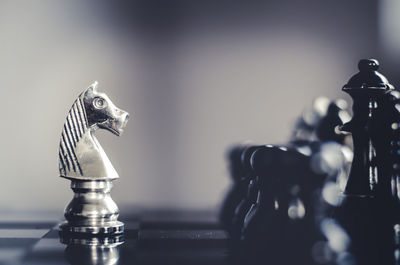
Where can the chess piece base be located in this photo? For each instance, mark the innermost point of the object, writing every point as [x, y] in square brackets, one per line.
[91, 249]
[92, 210]
[112, 228]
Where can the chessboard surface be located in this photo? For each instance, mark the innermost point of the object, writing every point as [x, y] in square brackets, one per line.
[151, 237]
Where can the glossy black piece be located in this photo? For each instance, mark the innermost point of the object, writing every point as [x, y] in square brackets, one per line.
[368, 128]
[321, 122]
[252, 188]
[282, 217]
[368, 77]
[281, 212]
[394, 145]
[238, 188]
[296, 212]
[393, 171]
[369, 212]
[326, 129]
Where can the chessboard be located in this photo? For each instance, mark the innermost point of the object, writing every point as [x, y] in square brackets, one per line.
[151, 237]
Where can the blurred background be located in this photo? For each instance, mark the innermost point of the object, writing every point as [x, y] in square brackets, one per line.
[196, 77]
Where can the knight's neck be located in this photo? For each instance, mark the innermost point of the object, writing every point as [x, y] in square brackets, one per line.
[95, 163]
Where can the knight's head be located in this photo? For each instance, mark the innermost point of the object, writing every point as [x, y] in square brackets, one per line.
[101, 112]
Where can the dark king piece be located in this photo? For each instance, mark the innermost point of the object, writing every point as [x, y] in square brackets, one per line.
[84, 162]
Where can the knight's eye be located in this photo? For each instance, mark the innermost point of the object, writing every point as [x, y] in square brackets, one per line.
[99, 103]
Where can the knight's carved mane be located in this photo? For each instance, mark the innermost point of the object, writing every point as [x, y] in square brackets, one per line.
[74, 128]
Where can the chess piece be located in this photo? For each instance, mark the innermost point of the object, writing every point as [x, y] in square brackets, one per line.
[238, 188]
[263, 221]
[309, 119]
[317, 132]
[285, 214]
[366, 208]
[394, 144]
[393, 169]
[367, 89]
[84, 162]
[250, 186]
[284, 205]
[320, 122]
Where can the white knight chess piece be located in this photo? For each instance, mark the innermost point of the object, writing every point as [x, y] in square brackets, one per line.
[84, 162]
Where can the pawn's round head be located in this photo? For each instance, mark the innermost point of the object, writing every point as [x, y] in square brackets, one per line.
[101, 111]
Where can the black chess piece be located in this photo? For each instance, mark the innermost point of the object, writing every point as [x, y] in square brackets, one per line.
[393, 169]
[394, 147]
[263, 223]
[238, 189]
[336, 115]
[307, 122]
[367, 89]
[279, 214]
[320, 121]
[281, 221]
[365, 211]
[252, 181]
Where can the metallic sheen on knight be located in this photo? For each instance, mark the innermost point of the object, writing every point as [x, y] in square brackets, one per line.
[84, 162]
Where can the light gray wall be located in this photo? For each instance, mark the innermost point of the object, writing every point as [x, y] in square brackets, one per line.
[389, 38]
[196, 76]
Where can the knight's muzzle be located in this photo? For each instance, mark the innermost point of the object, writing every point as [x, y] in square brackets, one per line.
[123, 117]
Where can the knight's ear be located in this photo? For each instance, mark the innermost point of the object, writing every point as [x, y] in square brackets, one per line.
[92, 88]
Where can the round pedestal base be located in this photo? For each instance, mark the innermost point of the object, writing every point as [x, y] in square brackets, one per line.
[109, 241]
[112, 228]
